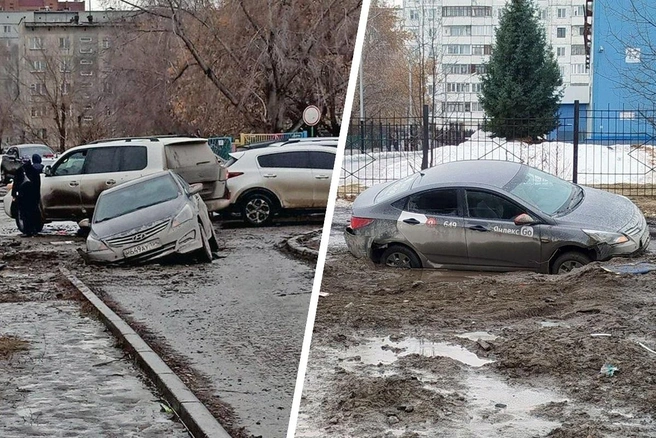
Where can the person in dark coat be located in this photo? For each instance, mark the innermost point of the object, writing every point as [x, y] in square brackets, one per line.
[26, 191]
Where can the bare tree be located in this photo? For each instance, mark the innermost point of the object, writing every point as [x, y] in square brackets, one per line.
[8, 90]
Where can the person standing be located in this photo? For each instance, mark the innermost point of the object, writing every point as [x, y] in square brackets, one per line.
[26, 191]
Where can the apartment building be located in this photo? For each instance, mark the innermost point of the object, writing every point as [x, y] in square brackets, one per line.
[459, 34]
[55, 64]
[41, 5]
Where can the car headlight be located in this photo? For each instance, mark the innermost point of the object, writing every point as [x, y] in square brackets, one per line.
[607, 237]
[185, 215]
[95, 244]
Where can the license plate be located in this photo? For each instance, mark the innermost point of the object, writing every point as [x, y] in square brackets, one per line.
[135, 250]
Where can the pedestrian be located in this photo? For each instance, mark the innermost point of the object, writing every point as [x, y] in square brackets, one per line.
[26, 192]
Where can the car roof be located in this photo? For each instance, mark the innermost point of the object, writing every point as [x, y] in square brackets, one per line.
[287, 148]
[476, 172]
[138, 180]
[29, 145]
[164, 139]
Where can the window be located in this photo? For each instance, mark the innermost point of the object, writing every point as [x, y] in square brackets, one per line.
[435, 203]
[457, 30]
[581, 30]
[133, 158]
[42, 134]
[36, 43]
[560, 51]
[102, 160]
[64, 43]
[86, 50]
[457, 107]
[544, 14]
[87, 119]
[6, 29]
[65, 66]
[37, 111]
[38, 66]
[480, 69]
[561, 32]
[481, 49]
[457, 87]
[578, 49]
[38, 88]
[86, 39]
[65, 88]
[456, 69]
[562, 70]
[481, 30]
[322, 160]
[288, 160]
[579, 69]
[86, 61]
[484, 205]
[579, 11]
[457, 49]
[107, 88]
[86, 73]
[481, 11]
[562, 12]
[105, 43]
[476, 87]
[632, 55]
[71, 165]
[414, 14]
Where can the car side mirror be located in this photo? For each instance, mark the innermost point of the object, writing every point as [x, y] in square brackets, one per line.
[195, 189]
[47, 171]
[524, 219]
[84, 223]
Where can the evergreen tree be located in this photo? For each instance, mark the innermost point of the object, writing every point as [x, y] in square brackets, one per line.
[521, 89]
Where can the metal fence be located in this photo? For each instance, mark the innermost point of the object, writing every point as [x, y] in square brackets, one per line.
[611, 149]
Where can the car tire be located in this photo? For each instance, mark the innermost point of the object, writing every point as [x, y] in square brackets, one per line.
[568, 261]
[257, 209]
[397, 256]
[205, 253]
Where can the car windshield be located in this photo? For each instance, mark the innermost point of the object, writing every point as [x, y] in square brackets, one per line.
[135, 197]
[400, 186]
[548, 193]
[41, 150]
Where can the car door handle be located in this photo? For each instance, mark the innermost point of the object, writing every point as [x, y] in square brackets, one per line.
[411, 221]
[478, 228]
[270, 175]
[322, 177]
[111, 182]
[73, 183]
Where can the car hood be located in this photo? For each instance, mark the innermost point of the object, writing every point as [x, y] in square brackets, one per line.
[601, 210]
[139, 219]
[366, 198]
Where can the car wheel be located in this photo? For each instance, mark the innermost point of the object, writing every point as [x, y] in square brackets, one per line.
[569, 261]
[397, 256]
[257, 209]
[205, 253]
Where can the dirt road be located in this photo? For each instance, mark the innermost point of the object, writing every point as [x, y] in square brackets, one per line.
[439, 353]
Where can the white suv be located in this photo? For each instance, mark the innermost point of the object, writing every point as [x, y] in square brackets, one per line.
[71, 186]
[287, 176]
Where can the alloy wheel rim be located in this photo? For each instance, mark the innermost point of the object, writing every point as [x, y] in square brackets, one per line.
[258, 210]
[398, 260]
[568, 266]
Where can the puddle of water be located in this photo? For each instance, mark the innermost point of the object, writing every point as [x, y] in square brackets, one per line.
[478, 336]
[372, 352]
[487, 391]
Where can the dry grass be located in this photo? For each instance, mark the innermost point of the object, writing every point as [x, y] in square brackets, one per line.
[9, 345]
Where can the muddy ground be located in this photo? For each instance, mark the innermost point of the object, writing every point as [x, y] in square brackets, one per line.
[452, 354]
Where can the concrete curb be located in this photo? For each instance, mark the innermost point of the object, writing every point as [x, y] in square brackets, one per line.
[193, 414]
[295, 246]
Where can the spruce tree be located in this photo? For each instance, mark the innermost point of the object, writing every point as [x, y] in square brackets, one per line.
[521, 89]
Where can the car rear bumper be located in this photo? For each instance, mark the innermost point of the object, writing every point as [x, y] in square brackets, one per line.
[359, 245]
[217, 204]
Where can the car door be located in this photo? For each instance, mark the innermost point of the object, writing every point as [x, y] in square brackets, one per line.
[322, 163]
[289, 176]
[493, 239]
[432, 221]
[60, 189]
[107, 167]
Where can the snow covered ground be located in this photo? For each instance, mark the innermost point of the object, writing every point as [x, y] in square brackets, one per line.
[597, 164]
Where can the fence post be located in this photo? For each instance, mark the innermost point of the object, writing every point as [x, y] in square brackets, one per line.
[362, 150]
[424, 146]
[575, 158]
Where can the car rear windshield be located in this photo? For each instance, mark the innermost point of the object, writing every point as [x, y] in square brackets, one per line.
[41, 150]
[546, 192]
[180, 155]
[135, 197]
[396, 188]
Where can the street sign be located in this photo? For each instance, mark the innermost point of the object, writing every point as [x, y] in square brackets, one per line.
[311, 115]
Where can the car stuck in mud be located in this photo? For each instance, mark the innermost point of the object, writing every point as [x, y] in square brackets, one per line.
[492, 215]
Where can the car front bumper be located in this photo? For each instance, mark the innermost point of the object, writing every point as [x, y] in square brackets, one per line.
[184, 239]
[635, 246]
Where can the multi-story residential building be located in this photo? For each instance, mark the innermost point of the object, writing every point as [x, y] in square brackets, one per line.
[56, 64]
[459, 35]
[41, 5]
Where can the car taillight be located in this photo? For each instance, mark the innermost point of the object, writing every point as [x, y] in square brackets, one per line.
[359, 222]
[234, 174]
[48, 155]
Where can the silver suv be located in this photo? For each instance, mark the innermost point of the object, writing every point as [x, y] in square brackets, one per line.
[283, 176]
[71, 186]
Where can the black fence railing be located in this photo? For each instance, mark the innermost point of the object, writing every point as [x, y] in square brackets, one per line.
[611, 149]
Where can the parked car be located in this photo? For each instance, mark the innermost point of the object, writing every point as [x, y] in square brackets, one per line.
[71, 186]
[149, 218]
[12, 159]
[492, 215]
[285, 177]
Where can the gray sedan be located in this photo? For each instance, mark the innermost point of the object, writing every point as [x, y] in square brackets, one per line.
[149, 218]
[492, 215]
